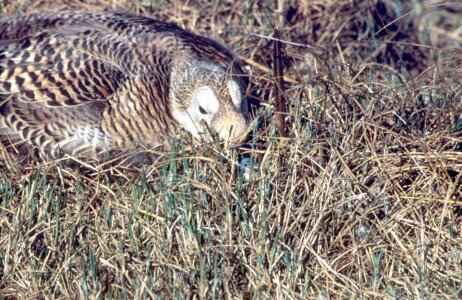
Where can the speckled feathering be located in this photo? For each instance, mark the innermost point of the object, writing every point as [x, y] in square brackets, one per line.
[82, 83]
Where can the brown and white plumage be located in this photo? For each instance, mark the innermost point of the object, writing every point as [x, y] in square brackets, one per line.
[85, 83]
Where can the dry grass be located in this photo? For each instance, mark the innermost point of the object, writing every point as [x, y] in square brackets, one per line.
[362, 199]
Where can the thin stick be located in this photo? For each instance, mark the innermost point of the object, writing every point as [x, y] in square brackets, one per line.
[279, 84]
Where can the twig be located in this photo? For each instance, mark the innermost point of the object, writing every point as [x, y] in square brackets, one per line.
[279, 85]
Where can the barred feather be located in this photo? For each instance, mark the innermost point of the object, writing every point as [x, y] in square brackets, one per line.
[82, 83]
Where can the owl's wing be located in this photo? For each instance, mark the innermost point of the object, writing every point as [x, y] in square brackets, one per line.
[54, 87]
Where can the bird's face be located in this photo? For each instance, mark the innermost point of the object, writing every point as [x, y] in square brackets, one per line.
[216, 106]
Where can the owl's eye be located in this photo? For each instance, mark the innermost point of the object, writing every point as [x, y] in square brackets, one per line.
[202, 110]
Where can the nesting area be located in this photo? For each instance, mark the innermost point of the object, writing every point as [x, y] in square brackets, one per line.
[348, 183]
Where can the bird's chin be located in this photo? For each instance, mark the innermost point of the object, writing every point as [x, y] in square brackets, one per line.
[226, 140]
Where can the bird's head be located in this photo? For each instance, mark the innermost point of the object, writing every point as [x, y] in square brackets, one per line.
[207, 101]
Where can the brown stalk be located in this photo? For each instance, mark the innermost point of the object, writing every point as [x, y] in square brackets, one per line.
[279, 86]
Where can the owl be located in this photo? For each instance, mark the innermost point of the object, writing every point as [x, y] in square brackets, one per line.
[85, 84]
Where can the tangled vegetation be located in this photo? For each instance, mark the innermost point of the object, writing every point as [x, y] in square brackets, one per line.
[361, 198]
